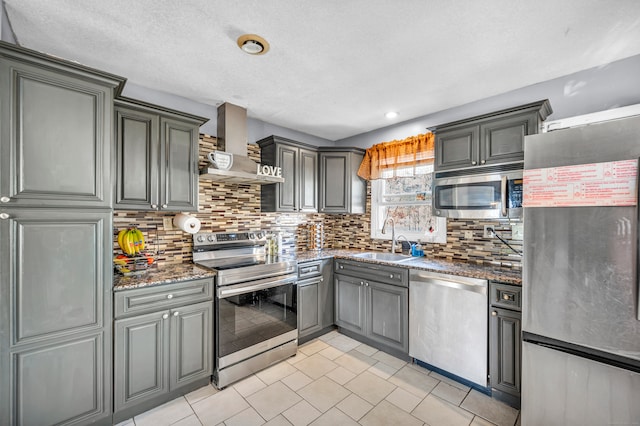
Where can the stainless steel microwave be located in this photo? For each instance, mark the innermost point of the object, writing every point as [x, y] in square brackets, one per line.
[494, 195]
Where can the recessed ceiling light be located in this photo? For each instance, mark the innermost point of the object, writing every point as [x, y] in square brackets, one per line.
[391, 114]
[253, 44]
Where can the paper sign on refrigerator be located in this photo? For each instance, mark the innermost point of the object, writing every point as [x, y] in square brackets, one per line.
[598, 184]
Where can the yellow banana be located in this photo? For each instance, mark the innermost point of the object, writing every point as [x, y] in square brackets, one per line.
[134, 241]
[140, 239]
[129, 247]
[121, 238]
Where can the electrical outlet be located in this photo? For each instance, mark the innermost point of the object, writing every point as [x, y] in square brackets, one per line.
[487, 233]
[468, 235]
[167, 223]
[517, 231]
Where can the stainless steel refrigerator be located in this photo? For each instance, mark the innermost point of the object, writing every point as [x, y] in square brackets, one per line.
[581, 325]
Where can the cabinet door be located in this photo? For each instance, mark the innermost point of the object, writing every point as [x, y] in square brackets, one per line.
[137, 159]
[326, 294]
[55, 133]
[457, 148]
[308, 306]
[191, 343]
[503, 139]
[387, 314]
[141, 358]
[55, 316]
[178, 166]
[350, 303]
[308, 179]
[287, 191]
[505, 358]
[334, 181]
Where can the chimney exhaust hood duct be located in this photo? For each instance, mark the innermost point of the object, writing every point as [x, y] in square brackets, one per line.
[232, 139]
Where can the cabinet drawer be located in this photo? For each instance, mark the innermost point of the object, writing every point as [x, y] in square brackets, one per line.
[506, 296]
[143, 300]
[309, 269]
[372, 271]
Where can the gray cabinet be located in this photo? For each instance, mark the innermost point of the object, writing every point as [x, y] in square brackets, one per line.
[56, 121]
[372, 300]
[55, 316]
[156, 158]
[505, 342]
[315, 298]
[163, 344]
[56, 129]
[489, 139]
[341, 189]
[299, 163]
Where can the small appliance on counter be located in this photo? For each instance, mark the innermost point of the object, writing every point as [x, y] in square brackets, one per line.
[315, 240]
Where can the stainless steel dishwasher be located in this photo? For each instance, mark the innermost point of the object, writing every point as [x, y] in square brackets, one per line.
[448, 323]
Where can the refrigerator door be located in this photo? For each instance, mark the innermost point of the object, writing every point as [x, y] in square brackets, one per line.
[580, 263]
[564, 389]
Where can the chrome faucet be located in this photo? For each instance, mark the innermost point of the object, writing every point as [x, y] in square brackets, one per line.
[393, 232]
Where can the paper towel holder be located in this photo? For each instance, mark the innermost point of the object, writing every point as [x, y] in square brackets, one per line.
[190, 226]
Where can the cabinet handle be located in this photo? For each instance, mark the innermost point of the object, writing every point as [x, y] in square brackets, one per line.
[164, 206]
[154, 206]
[341, 267]
[321, 279]
[361, 282]
[494, 313]
[390, 275]
[473, 163]
[483, 161]
[176, 313]
[366, 284]
[506, 296]
[5, 199]
[4, 216]
[169, 296]
[165, 316]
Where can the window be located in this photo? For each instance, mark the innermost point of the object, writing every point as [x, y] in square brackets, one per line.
[406, 198]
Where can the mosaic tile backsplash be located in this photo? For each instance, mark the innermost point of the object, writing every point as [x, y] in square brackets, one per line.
[236, 208]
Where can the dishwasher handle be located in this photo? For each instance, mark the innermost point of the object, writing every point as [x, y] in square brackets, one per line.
[475, 285]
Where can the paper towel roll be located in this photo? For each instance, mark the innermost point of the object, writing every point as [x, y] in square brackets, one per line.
[187, 223]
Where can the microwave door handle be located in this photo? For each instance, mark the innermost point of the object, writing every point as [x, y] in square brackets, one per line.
[503, 195]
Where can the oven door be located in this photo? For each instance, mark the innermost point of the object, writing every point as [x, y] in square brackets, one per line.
[254, 317]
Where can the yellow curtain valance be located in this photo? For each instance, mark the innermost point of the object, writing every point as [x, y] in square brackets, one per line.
[410, 152]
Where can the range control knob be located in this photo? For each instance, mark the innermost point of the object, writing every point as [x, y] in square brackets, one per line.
[211, 238]
[200, 238]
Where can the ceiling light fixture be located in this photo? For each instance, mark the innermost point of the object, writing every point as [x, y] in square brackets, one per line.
[391, 114]
[253, 44]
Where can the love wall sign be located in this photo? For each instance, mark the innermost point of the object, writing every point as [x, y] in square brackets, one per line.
[264, 170]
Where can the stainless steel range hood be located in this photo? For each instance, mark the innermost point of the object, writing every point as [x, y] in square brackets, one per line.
[232, 138]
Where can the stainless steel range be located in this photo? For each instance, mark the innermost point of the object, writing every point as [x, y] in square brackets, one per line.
[256, 320]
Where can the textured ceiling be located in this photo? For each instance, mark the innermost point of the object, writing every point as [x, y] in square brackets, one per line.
[335, 66]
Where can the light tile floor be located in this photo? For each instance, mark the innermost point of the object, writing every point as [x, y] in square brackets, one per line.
[335, 380]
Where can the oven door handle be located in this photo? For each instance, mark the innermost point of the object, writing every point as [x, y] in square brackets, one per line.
[237, 289]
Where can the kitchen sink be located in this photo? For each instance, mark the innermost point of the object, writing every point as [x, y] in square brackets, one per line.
[386, 257]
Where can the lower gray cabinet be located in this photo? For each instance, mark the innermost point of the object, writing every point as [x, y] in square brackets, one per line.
[373, 309]
[505, 326]
[160, 354]
[55, 316]
[315, 297]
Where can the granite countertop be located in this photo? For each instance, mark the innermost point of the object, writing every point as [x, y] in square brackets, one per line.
[452, 267]
[167, 274]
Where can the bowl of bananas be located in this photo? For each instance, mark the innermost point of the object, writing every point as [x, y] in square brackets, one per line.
[134, 260]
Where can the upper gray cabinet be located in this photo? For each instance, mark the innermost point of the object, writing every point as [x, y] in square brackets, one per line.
[156, 158]
[299, 163]
[490, 139]
[341, 189]
[56, 129]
